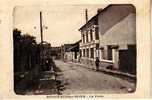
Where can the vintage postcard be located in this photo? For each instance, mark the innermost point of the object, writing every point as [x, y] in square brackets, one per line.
[84, 49]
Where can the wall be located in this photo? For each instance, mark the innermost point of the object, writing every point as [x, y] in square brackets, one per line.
[117, 25]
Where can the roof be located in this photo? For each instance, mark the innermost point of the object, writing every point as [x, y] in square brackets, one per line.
[69, 47]
[75, 46]
[95, 16]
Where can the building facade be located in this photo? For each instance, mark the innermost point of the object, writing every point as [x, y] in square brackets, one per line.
[117, 29]
[65, 53]
[71, 52]
[89, 45]
[111, 36]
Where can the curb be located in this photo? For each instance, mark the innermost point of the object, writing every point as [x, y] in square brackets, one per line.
[125, 76]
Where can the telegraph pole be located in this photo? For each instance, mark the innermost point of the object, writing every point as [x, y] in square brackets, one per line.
[41, 27]
[41, 47]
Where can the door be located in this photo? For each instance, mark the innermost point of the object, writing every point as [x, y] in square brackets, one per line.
[127, 60]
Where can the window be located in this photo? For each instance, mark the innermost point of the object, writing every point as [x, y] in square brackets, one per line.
[83, 52]
[103, 53]
[96, 33]
[87, 36]
[92, 52]
[83, 38]
[97, 45]
[109, 53]
[75, 55]
[91, 36]
[87, 52]
[80, 53]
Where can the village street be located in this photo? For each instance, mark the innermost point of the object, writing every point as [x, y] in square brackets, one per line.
[77, 79]
[45, 62]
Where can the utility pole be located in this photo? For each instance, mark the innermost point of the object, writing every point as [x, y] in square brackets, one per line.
[86, 15]
[41, 27]
[41, 47]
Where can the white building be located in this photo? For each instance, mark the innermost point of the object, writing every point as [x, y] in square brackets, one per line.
[90, 41]
[111, 36]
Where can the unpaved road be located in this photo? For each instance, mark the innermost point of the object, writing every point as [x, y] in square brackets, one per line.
[79, 80]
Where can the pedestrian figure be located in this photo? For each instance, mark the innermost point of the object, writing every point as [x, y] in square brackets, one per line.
[97, 63]
[79, 57]
[48, 63]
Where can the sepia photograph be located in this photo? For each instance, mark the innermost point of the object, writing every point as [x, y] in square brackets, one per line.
[74, 49]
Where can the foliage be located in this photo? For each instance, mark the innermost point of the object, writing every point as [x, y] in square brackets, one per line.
[25, 51]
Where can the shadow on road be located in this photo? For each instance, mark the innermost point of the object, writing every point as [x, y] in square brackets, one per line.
[46, 82]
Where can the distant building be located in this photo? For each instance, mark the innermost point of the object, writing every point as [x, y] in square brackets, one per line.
[111, 36]
[56, 52]
[74, 52]
[64, 52]
[70, 52]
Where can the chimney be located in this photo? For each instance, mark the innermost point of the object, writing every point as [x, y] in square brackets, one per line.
[86, 15]
[99, 10]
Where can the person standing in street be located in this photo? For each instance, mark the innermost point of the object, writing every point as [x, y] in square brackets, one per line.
[48, 63]
[97, 63]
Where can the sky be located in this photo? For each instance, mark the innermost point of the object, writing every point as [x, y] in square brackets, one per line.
[62, 21]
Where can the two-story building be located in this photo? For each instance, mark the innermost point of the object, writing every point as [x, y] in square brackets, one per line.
[90, 41]
[111, 36]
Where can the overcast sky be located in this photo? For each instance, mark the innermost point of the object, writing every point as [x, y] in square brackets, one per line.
[63, 21]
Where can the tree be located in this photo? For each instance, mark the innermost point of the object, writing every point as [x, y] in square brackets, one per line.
[25, 49]
[16, 51]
